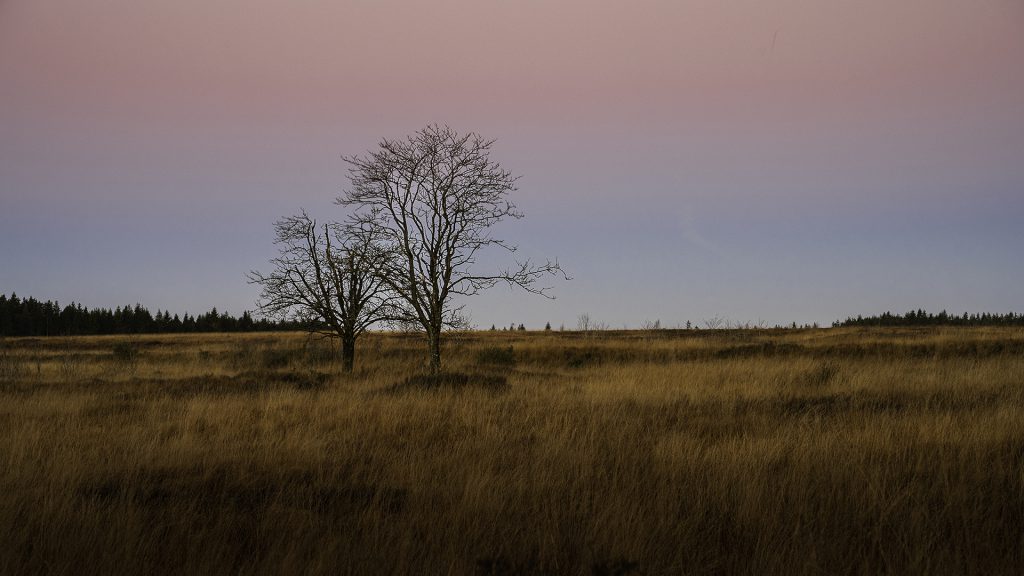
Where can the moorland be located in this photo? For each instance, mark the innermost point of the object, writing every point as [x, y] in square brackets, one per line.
[839, 451]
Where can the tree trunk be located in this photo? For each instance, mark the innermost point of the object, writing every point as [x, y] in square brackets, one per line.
[348, 354]
[434, 340]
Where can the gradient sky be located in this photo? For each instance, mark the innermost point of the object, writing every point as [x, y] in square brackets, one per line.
[798, 160]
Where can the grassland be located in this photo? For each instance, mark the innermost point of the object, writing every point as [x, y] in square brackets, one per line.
[843, 451]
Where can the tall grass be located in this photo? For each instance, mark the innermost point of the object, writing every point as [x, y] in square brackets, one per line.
[846, 451]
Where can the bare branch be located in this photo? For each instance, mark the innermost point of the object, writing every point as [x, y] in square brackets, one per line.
[324, 278]
[429, 202]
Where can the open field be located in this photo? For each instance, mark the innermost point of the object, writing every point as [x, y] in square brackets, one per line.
[843, 451]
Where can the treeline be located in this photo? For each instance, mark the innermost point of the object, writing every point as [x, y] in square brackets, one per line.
[922, 318]
[30, 317]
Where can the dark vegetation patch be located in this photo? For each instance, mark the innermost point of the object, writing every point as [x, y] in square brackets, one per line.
[450, 381]
[209, 384]
[321, 351]
[769, 349]
[148, 388]
[504, 357]
[616, 567]
[275, 358]
[574, 356]
[502, 565]
[937, 350]
[305, 367]
[302, 380]
[729, 416]
[534, 565]
[125, 353]
[874, 403]
[725, 418]
[248, 382]
[220, 489]
[12, 367]
[819, 376]
[587, 356]
[584, 357]
[253, 356]
[89, 344]
[117, 405]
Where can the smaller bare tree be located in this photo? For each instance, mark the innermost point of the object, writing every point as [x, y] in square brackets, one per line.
[583, 322]
[714, 323]
[323, 278]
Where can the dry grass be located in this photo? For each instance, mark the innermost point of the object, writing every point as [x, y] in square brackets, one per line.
[847, 451]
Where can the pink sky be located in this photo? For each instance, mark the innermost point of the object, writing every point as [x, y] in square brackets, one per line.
[121, 109]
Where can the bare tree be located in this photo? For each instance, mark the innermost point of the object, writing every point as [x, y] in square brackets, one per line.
[583, 322]
[431, 199]
[651, 325]
[714, 323]
[324, 278]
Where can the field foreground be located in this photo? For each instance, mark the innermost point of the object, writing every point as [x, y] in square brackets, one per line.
[843, 451]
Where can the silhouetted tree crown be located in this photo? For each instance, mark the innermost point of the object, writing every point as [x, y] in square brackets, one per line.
[921, 318]
[430, 202]
[323, 277]
[31, 317]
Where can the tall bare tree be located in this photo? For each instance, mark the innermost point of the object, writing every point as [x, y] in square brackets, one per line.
[325, 278]
[430, 200]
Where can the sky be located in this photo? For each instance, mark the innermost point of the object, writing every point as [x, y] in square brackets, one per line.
[753, 160]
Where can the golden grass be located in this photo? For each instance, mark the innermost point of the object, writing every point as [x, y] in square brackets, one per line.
[845, 451]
